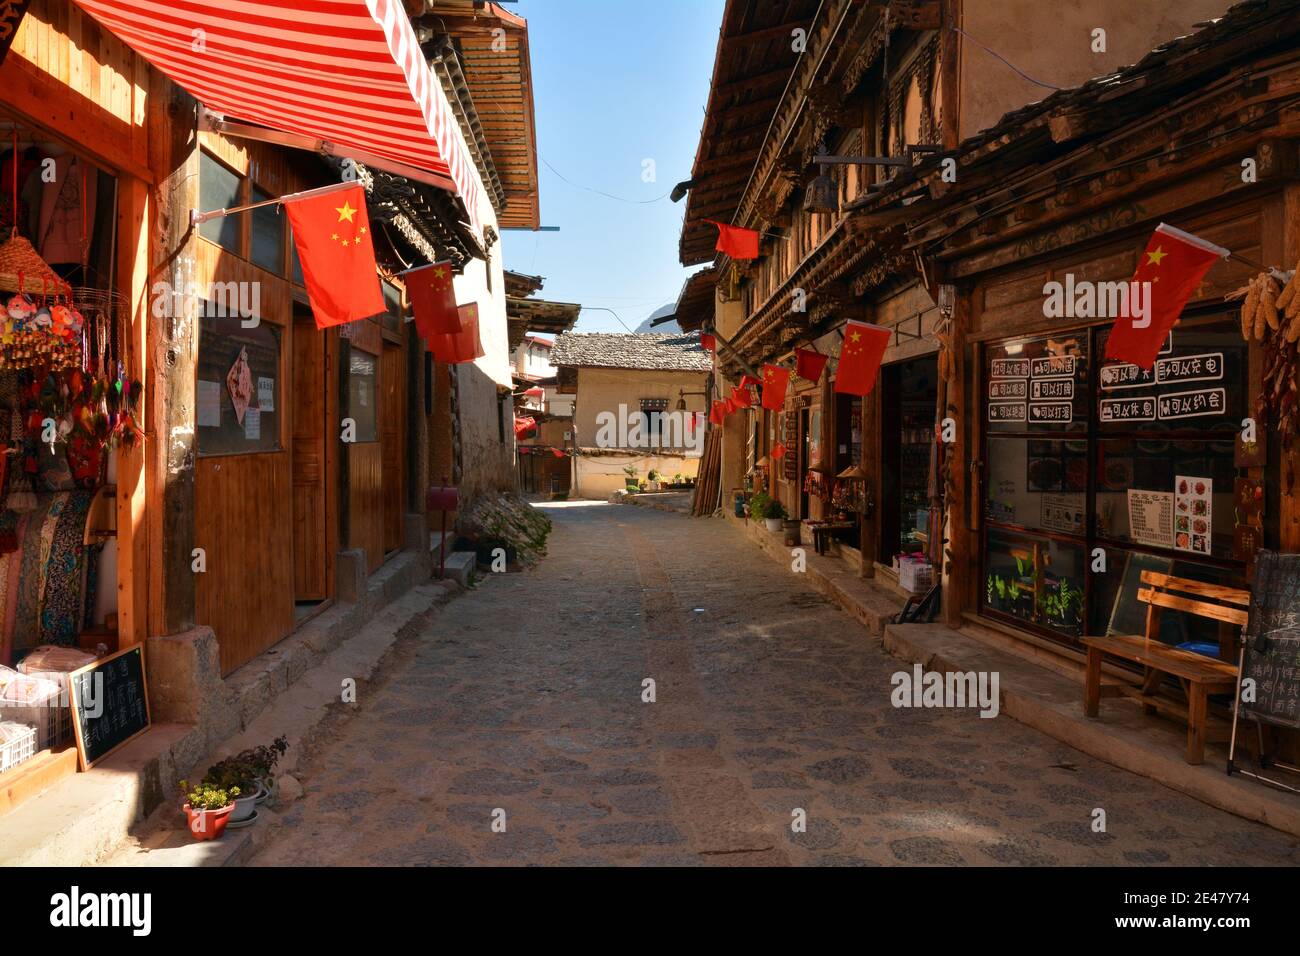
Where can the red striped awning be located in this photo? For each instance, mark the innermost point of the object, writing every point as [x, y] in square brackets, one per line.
[349, 72]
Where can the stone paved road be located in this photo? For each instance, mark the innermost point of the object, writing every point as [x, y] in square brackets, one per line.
[527, 697]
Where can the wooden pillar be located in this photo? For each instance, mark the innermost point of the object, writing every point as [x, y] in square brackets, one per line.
[172, 342]
[959, 553]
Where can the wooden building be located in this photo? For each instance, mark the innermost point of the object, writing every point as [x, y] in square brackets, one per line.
[945, 232]
[215, 529]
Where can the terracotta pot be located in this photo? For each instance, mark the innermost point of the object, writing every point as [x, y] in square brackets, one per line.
[208, 824]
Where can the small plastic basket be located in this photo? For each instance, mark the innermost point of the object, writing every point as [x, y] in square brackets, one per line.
[36, 702]
[915, 576]
[17, 743]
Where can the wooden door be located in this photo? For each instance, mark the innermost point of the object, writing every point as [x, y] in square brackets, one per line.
[392, 441]
[311, 473]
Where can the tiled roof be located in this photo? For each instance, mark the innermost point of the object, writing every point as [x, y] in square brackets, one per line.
[645, 350]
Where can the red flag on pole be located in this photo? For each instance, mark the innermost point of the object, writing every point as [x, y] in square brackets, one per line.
[748, 380]
[462, 346]
[1167, 274]
[718, 412]
[775, 380]
[332, 235]
[860, 355]
[736, 241]
[809, 364]
[740, 395]
[777, 452]
[433, 299]
[708, 342]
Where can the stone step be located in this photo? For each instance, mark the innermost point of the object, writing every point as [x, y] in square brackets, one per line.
[459, 566]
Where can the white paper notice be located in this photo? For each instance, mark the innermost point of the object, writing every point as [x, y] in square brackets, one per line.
[265, 394]
[1151, 517]
[209, 402]
[1193, 513]
[253, 424]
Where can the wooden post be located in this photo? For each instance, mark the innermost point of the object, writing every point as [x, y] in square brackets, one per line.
[173, 352]
[958, 552]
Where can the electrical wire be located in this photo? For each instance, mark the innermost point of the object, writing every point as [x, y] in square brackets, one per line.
[994, 53]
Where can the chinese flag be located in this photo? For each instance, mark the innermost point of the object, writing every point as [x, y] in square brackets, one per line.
[462, 346]
[708, 342]
[740, 395]
[775, 380]
[748, 380]
[1171, 268]
[777, 452]
[433, 299]
[332, 235]
[718, 413]
[809, 364]
[735, 241]
[864, 346]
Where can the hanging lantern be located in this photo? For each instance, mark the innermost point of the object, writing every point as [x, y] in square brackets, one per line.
[822, 195]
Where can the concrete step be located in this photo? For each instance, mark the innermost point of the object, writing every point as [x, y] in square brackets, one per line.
[459, 566]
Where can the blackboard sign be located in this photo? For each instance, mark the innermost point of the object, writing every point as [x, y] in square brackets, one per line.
[110, 704]
[1272, 653]
[1128, 615]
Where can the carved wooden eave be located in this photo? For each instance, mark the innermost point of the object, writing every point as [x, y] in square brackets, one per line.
[824, 59]
[835, 275]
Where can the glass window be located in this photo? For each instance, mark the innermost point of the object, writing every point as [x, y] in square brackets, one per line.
[268, 235]
[295, 266]
[392, 317]
[1037, 384]
[1140, 468]
[237, 392]
[1035, 579]
[362, 394]
[219, 188]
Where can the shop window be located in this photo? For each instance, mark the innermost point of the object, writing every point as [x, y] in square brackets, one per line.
[219, 188]
[363, 390]
[237, 392]
[1036, 579]
[267, 227]
[1131, 466]
[652, 421]
[295, 266]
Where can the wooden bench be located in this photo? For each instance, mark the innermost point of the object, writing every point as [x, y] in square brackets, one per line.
[1198, 674]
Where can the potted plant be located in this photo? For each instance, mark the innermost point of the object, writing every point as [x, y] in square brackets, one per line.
[769, 510]
[1062, 607]
[238, 775]
[263, 760]
[208, 809]
[652, 480]
[629, 481]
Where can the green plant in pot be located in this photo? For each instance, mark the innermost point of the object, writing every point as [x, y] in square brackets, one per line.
[208, 809]
[1063, 606]
[630, 480]
[763, 506]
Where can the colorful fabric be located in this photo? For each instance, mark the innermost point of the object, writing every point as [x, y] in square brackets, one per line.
[62, 604]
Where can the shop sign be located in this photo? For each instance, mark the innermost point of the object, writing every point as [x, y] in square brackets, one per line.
[1064, 513]
[1009, 388]
[1053, 388]
[1141, 409]
[1006, 411]
[1207, 402]
[1190, 368]
[1051, 411]
[1151, 517]
[1053, 366]
[1125, 376]
[1009, 368]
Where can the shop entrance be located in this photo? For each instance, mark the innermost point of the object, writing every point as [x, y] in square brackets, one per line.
[908, 394]
[392, 441]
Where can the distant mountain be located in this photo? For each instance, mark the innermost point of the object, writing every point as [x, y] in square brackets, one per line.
[666, 327]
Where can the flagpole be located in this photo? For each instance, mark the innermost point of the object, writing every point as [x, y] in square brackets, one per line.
[197, 217]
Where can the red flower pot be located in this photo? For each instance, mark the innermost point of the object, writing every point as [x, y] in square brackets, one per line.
[208, 824]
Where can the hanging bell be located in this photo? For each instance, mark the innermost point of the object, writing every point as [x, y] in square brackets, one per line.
[822, 195]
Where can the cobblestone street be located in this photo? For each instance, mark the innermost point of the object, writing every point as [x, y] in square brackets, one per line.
[768, 699]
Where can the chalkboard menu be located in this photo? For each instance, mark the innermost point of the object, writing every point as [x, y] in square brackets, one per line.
[110, 704]
[1272, 658]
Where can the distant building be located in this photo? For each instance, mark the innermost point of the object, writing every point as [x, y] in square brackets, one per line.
[639, 402]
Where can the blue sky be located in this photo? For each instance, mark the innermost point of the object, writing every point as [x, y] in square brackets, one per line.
[615, 83]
